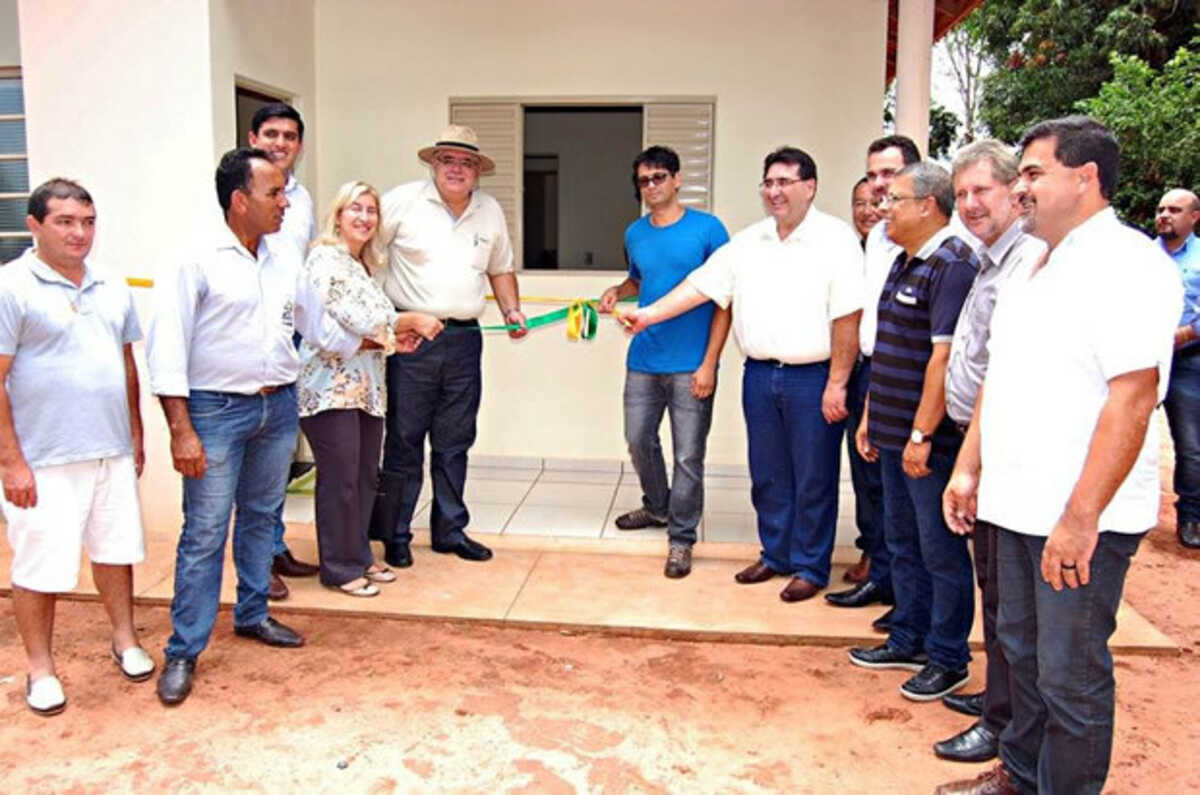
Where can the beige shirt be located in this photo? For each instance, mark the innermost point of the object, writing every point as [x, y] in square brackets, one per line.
[437, 263]
[786, 293]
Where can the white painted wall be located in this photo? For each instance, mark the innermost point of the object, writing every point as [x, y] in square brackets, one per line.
[10, 37]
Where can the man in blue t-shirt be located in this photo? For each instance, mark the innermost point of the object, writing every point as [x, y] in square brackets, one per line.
[673, 365]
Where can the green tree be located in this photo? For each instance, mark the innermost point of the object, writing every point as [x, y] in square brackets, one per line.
[1156, 117]
[1050, 54]
[943, 130]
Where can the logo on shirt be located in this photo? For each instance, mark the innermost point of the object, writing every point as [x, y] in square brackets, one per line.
[289, 315]
[905, 295]
[481, 240]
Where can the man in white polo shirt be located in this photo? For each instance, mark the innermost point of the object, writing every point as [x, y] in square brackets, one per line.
[795, 280]
[70, 434]
[447, 242]
[1064, 454]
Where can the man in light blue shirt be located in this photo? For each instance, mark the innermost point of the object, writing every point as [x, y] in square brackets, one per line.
[1175, 222]
[224, 366]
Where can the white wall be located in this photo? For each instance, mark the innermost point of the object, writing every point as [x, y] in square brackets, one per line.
[808, 74]
[10, 38]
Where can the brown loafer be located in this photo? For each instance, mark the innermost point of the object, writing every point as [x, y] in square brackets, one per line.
[798, 590]
[996, 781]
[754, 573]
[277, 590]
[859, 571]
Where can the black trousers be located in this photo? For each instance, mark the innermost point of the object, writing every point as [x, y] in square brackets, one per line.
[997, 700]
[434, 392]
[345, 444]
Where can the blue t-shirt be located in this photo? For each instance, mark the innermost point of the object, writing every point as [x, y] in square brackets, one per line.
[659, 259]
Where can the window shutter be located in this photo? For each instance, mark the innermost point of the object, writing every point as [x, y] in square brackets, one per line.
[499, 128]
[688, 129]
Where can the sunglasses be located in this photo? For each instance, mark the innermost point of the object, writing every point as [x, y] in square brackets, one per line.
[656, 179]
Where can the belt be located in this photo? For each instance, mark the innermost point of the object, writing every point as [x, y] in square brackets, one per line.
[456, 323]
[777, 363]
[270, 390]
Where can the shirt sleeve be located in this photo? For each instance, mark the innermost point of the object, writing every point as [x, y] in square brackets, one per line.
[316, 326]
[718, 236]
[847, 287]
[132, 330]
[11, 316]
[501, 258]
[947, 293]
[350, 298]
[715, 277]
[169, 343]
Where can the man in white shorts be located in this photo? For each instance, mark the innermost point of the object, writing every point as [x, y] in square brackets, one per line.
[70, 434]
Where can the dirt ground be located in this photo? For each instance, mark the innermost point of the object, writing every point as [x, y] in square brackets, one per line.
[394, 706]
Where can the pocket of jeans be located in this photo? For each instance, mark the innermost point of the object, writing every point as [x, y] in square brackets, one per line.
[202, 405]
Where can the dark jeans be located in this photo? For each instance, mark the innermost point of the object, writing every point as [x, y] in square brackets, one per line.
[434, 391]
[794, 466]
[868, 483]
[248, 441]
[1060, 737]
[1183, 416]
[997, 698]
[647, 395]
[345, 444]
[931, 570]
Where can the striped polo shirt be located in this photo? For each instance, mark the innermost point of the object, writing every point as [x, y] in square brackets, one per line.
[918, 308]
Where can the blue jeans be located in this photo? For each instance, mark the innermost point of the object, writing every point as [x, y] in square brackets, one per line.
[931, 570]
[1061, 671]
[794, 466]
[1183, 416]
[647, 395]
[868, 483]
[248, 441]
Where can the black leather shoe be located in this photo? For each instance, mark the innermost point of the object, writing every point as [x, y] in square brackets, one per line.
[1189, 534]
[966, 703]
[175, 681]
[465, 549]
[867, 593]
[884, 622]
[397, 555]
[272, 633]
[976, 744]
[934, 681]
[886, 657]
[287, 566]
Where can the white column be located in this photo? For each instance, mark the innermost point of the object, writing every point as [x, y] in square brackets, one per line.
[914, 56]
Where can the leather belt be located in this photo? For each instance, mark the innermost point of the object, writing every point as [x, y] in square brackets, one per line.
[777, 363]
[270, 390]
[456, 323]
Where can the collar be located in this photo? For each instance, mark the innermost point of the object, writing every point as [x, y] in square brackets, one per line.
[770, 228]
[291, 184]
[1187, 244]
[226, 239]
[999, 250]
[47, 274]
[429, 191]
[1103, 218]
[933, 243]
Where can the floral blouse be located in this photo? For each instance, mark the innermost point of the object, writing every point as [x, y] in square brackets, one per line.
[353, 299]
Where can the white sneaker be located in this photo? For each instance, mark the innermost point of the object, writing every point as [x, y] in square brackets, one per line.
[134, 663]
[45, 696]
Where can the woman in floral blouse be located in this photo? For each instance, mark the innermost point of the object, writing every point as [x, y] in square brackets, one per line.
[343, 401]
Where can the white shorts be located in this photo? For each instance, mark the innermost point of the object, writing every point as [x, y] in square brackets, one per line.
[90, 503]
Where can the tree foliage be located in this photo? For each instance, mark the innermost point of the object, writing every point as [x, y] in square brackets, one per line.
[1156, 117]
[1049, 54]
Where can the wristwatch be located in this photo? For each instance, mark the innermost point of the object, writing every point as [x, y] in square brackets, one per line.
[918, 437]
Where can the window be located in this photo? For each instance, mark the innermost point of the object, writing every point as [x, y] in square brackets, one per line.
[531, 183]
[14, 167]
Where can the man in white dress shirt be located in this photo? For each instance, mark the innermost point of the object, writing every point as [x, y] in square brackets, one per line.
[224, 366]
[795, 280]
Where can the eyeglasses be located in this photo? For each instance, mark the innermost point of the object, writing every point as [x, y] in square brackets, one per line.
[891, 198]
[656, 179]
[781, 183]
[446, 161]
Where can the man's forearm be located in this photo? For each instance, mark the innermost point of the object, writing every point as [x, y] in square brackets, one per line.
[675, 303]
[504, 287]
[10, 447]
[844, 347]
[628, 288]
[176, 411]
[932, 407]
[133, 392]
[970, 458]
[718, 332]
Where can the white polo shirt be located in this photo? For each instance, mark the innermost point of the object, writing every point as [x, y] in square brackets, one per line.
[437, 263]
[67, 381]
[786, 293]
[1104, 304]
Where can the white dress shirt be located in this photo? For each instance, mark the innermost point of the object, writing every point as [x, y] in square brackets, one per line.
[224, 322]
[786, 293]
[1104, 304]
[437, 263]
[299, 225]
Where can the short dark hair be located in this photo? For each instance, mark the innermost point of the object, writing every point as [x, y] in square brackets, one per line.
[790, 155]
[57, 188]
[1079, 140]
[908, 149]
[663, 157]
[233, 173]
[861, 181]
[276, 110]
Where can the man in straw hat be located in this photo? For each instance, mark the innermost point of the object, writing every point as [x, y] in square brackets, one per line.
[446, 241]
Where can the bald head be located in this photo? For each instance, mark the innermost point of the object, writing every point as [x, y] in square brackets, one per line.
[1177, 215]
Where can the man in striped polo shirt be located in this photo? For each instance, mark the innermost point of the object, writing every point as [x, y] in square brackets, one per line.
[905, 426]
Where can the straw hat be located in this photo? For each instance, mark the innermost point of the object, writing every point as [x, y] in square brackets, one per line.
[458, 138]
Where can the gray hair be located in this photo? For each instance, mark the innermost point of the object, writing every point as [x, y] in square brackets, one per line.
[1001, 157]
[930, 179]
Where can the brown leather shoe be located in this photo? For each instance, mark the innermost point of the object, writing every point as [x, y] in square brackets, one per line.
[754, 573]
[277, 590]
[994, 782]
[285, 565]
[798, 590]
[859, 571]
